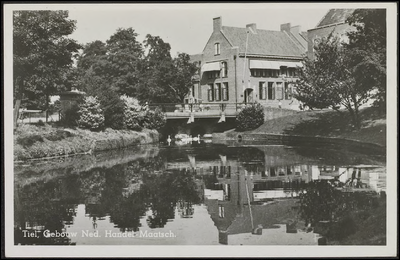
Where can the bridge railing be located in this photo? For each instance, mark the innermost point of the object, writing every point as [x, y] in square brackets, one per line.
[198, 107]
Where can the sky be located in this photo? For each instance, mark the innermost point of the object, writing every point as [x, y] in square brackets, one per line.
[186, 27]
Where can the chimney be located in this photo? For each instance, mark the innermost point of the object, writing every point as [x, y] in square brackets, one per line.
[217, 24]
[285, 27]
[252, 27]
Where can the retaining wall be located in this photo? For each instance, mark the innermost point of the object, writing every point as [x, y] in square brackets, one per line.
[135, 138]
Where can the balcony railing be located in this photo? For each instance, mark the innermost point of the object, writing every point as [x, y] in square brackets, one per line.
[199, 110]
[198, 107]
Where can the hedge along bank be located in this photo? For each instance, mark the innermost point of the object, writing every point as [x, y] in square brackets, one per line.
[32, 142]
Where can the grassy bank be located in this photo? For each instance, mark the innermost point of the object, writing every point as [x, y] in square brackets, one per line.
[330, 124]
[32, 141]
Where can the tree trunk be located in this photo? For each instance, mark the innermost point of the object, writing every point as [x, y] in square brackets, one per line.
[19, 84]
[47, 107]
[354, 116]
[16, 112]
[357, 122]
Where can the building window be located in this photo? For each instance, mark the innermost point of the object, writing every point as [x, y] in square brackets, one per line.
[288, 90]
[210, 92]
[266, 73]
[292, 72]
[224, 69]
[213, 74]
[199, 94]
[221, 211]
[256, 73]
[279, 91]
[217, 49]
[217, 92]
[272, 73]
[192, 91]
[225, 91]
[271, 91]
[284, 71]
[262, 90]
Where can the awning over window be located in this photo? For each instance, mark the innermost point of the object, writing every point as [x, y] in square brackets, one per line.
[264, 64]
[272, 65]
[291, 64]
[212, 66]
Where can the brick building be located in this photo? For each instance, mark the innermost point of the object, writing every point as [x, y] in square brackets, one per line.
[334, 21]
[249, 65]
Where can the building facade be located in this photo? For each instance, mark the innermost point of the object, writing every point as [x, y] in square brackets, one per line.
[245, 65]
[333, 22]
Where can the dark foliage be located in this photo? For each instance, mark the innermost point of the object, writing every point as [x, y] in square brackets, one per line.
[251, 117]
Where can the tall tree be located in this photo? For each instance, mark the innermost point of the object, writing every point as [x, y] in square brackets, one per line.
[124, 54]
[157, 73]
[329, 80]
[92, 66]
[91, 53]
[183, 76]
[114, 64]
[43, 54]
[368, 45]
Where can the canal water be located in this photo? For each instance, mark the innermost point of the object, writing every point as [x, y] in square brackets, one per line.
[195, 193]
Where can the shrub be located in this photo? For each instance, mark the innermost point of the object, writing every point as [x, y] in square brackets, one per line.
[113, 109]
[133, 120]
[91, 115]
[131, 103]
[251, 117]
[40, 122]
[154, 119]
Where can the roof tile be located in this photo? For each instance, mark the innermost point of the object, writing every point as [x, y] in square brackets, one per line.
[265, 42]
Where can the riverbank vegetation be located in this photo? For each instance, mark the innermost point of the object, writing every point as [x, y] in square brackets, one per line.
[43, 141]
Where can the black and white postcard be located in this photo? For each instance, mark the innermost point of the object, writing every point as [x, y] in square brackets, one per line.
[200, 130]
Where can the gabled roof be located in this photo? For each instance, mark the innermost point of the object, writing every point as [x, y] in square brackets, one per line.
[304, 35]
[334, 16]
[264, 42]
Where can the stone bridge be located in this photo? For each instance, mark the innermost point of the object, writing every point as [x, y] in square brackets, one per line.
[207, 118]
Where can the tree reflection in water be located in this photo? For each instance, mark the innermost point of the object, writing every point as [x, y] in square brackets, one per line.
[334, 213]
[123, 192]
[44, 206]
[165, 190]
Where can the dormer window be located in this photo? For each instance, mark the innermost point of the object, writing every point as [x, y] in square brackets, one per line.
[217, 49]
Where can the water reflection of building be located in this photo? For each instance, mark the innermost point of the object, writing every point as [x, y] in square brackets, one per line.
[185, 209]
[241, 191]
